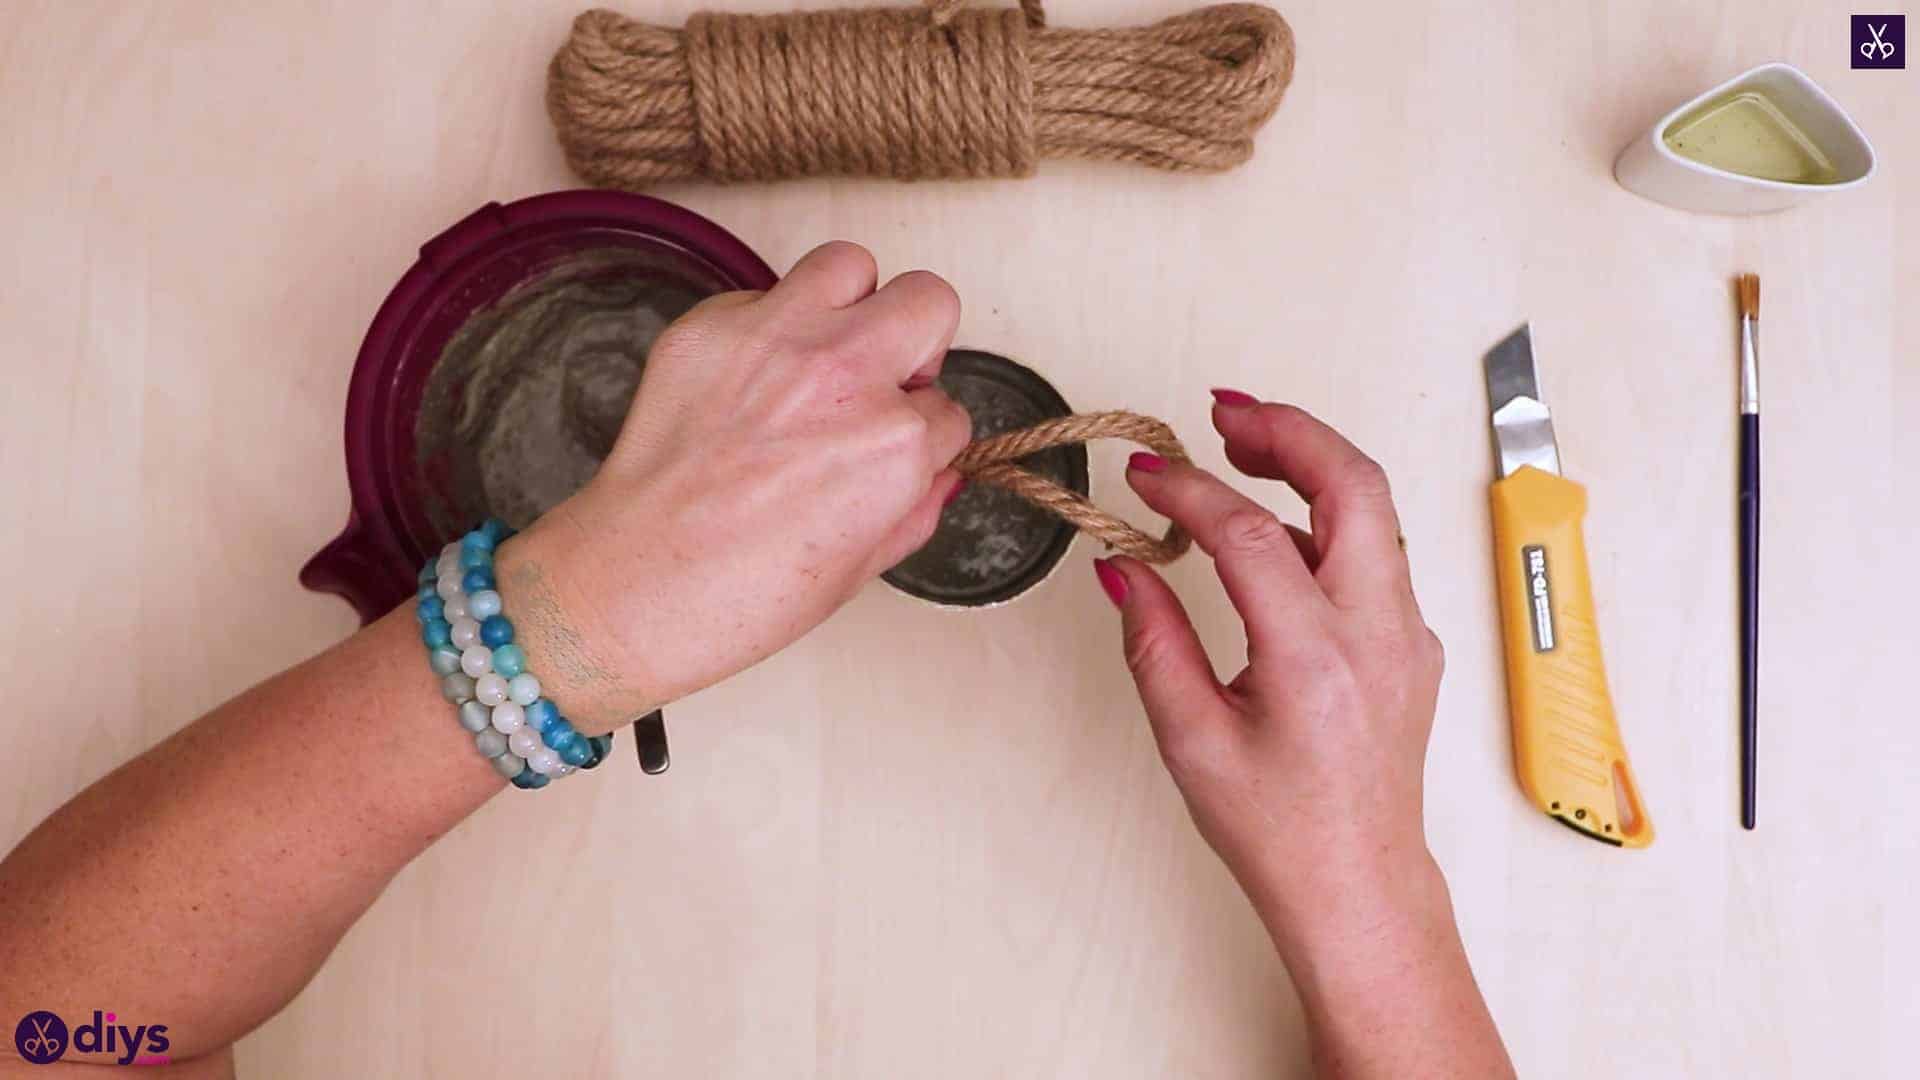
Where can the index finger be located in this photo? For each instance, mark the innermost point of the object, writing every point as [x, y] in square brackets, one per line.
[910, 322]
[1265, 576]
[836, 274]
[1355, 525]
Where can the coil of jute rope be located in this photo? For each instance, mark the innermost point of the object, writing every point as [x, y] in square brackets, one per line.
[992, 461]
[942, 90]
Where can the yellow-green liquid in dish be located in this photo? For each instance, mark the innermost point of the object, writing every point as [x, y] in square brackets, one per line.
[1747, 134]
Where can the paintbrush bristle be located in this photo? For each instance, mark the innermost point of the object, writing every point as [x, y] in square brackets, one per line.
[1750, 296]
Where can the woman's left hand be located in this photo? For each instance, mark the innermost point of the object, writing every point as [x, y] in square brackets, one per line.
[784, 449]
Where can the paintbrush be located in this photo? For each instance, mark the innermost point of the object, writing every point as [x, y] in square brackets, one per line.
[1749, 288]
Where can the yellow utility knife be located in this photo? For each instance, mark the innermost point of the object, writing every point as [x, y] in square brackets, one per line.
[1566, 746]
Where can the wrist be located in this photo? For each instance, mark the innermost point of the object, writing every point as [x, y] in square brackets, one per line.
[1337, 902]
[1377, 961]
[547, 577]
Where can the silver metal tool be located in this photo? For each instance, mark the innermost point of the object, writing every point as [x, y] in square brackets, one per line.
[1522, 426]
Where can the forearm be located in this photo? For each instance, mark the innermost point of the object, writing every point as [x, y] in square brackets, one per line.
[203, 883]
[1376, 957]
[753, 489]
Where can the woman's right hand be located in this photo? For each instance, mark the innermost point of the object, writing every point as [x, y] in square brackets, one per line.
[1312, 755]
[1304, 771]
[783, 450]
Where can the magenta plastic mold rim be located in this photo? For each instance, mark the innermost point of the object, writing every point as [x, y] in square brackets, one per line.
[373, 562]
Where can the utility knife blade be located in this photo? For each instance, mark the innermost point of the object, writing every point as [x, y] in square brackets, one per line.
[1522, 424]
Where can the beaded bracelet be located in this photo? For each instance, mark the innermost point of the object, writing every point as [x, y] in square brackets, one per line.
[484, 674]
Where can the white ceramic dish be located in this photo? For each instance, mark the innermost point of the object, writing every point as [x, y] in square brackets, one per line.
[1649, 167]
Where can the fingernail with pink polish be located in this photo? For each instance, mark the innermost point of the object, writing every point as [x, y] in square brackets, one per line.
[1234, 399]
[1146, 462]
[954, 494]
[1112, 580]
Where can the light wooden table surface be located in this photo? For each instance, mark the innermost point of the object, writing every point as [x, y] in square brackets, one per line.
[928, 845]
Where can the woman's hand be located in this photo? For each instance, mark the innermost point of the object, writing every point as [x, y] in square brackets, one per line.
[783, 450]
[1304, 772]
[1316, 749]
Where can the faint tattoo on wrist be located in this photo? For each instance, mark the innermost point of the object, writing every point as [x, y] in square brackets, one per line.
[564, 652]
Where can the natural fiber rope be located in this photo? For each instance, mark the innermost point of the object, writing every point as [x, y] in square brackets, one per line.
[910, 93]
[991, 461]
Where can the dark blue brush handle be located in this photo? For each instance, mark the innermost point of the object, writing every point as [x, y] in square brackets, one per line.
[1749, 609]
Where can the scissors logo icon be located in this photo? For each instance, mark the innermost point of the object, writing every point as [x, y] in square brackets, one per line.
[41, 1037]
[1877, 45]
[1879, 41]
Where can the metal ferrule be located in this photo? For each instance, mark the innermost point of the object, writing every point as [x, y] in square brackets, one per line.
[1749, 364]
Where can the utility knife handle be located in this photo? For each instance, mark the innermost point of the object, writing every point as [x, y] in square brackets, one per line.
[1566, 745]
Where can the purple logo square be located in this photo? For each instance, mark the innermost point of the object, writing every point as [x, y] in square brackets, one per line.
[1879, 41]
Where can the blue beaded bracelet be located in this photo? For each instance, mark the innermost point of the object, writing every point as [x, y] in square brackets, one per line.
[484, 674]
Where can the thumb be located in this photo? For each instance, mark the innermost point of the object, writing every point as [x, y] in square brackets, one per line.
[1170, 668]
[913, 531]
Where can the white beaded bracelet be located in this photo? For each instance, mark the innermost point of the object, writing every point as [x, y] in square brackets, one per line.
[484, 674]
